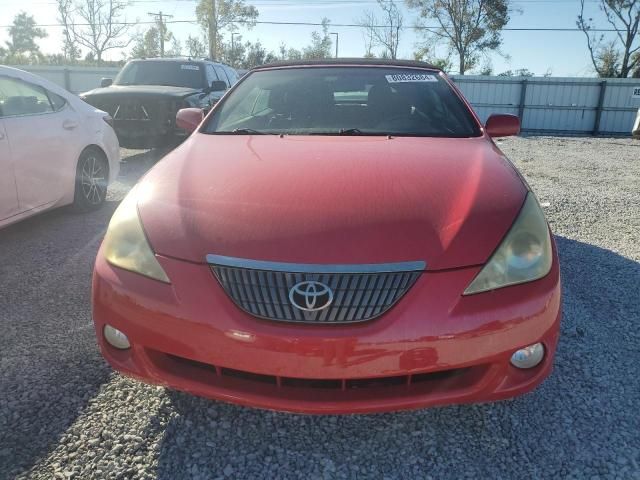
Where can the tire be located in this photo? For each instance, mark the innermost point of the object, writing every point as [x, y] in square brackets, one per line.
[92, 175]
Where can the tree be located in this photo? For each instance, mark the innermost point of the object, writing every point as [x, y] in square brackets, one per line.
[617, 57]
[233, 53]
[95, 24]
[287, 53]
[24, 33]
[176, 48]
[607, 57]
[471, 28]
[55, 59]
[425, 54]
[256, 55]
[195, 47]
[70, 47]
[486, 69]
[521, 72]
[149, 44]
[146, 45]
[383, 33]
[320, 44]
[228, 14]
[294, 54]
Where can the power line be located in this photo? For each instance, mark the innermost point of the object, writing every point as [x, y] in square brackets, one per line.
[342, 25]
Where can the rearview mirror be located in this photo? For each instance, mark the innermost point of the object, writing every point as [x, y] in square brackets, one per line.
[502, 125]
[218, 86]
[106, 82]
[189, 118]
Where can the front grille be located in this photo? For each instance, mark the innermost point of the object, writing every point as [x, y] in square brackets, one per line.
[132, 111]
[356, 292]
[126, 109]
[345, 384]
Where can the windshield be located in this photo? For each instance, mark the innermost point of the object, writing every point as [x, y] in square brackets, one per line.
[344, 101]
[174, 74]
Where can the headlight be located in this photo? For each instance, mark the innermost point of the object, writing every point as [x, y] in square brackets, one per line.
[523, 256]
[125, 244]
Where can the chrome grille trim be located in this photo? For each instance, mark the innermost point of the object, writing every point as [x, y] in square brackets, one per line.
[221, 260]
[361, 292]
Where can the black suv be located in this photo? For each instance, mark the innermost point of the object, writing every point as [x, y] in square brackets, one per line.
[146, 95]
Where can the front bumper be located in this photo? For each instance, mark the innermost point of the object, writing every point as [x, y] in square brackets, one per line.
[111, 147]
[434, 347]
[138, 134]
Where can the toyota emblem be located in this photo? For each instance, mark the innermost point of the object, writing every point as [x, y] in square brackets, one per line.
[310, 296]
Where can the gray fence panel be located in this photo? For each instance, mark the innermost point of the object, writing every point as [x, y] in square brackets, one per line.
[619, 108]
[574, 106]
[613, 122]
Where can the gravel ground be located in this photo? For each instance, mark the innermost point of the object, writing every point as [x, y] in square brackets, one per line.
[65, 414]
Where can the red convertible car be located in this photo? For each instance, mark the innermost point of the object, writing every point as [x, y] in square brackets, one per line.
[334, 237]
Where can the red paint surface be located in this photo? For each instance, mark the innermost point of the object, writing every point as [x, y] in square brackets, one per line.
[314, 199]
[189, 118]
[502, 125]
[433, 328]
[448, 202]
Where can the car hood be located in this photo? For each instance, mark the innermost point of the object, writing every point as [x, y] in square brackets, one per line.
[138, 91]
[331, 200]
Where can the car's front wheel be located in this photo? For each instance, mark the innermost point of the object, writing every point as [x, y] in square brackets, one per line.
[91, 181]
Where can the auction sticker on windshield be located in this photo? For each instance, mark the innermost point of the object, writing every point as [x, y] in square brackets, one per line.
[189, 67]
[410, 77]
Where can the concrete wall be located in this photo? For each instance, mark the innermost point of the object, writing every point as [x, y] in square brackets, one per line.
[74, 79]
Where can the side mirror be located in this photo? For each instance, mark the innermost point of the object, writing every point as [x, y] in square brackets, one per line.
[189, 118]
[502, 125]
[106, 82]
[218, 86]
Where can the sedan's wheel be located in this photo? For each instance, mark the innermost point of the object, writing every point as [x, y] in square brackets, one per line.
[91, 181]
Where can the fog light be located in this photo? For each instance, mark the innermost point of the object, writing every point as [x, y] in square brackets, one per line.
[528, 357]
[116, 338]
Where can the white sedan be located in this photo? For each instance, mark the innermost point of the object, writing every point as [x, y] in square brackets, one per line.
[55, 149]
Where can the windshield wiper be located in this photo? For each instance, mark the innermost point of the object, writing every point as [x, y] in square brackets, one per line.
[350, 131]
[247, 131]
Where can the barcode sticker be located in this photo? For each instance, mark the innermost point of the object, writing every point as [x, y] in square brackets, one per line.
[189, 67]
[410, 78]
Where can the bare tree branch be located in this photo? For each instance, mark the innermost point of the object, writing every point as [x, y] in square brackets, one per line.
[614, 58]
[387, 36]
[97, 25]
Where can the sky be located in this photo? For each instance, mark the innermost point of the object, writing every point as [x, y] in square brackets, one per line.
[558, 53]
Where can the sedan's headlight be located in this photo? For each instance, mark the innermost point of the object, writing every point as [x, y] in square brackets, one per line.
[523, 256]
[125, 244]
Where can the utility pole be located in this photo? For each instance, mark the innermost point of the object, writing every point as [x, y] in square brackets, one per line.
[213, 32]
[161, 28]
[336, 34]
